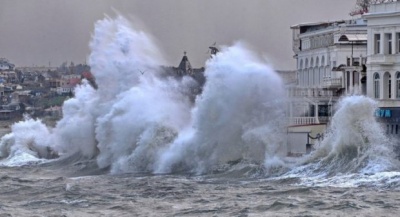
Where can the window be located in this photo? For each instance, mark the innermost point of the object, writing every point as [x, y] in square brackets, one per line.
[390, 86]
[376, 85]
[398, 42]
[356, 61]
[377, 43]
[388, 47]
[397, 85]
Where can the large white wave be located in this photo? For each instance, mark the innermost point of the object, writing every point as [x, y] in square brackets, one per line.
[140, 121]
[238, 116]
[355, 143]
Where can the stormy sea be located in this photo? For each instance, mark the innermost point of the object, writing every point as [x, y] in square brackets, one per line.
[138, 145]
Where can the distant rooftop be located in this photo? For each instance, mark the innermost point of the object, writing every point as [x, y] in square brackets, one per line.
[314, 26]
[384, 7]
[6, 62]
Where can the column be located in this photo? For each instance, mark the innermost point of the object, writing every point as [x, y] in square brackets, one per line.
[382, 44]
[394, 43]
[381, 86]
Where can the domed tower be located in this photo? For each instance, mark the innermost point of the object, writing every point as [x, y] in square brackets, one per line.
[185, 68]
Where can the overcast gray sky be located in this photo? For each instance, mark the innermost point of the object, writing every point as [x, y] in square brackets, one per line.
[37, 32]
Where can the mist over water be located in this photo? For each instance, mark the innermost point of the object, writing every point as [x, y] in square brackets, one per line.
[140, 121]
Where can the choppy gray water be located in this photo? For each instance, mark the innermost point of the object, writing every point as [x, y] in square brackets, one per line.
[42, 191]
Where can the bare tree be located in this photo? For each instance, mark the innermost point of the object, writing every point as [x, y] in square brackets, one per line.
[362, 6]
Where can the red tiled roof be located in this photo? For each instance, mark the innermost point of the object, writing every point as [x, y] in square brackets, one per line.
[74, 81]
[87, 75]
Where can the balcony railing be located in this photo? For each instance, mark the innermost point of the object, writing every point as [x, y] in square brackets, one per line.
[311, 93]
[303, 121]
[332, 82]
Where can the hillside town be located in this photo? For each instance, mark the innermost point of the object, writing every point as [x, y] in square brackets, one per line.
[38, 91]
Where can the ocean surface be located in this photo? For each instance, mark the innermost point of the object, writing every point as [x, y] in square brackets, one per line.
[139, 145]
[45, 191]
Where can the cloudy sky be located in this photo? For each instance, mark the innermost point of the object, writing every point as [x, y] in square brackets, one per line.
[39, 32]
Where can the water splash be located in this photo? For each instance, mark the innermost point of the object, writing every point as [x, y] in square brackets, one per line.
[238, 116]
[28, 142]
[354, 146]
[144, 122]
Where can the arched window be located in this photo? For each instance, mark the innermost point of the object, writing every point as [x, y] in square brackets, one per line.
[300, 76]
[321, 75]
[387, 85]
[376, 85]
[306, 73]
[390, 86]
[311, 73]
[315, 76]
[397, 85]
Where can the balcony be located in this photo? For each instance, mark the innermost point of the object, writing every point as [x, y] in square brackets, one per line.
[383, 59]
[332, 82]
[310, 93]
[303, 121]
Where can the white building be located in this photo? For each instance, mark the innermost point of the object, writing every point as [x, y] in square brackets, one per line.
[383, 65]
[330, 58]
[5, 65]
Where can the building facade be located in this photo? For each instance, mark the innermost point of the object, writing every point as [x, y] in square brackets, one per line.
[383, 65]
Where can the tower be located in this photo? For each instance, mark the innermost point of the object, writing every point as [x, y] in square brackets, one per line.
[185, 67]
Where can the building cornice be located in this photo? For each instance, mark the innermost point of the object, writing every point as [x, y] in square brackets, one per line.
[379, 15]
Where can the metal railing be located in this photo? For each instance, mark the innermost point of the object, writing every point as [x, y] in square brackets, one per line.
[303, 120]
[332, 82]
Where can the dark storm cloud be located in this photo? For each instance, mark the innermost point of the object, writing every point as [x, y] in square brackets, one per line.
[42, 31]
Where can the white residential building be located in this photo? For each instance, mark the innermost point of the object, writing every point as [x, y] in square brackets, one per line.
[383, 65]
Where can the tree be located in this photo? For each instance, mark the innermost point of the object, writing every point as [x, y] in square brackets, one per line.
[361, 7]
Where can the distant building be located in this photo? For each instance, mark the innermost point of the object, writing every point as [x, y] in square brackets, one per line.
[5, 65]
[185, 69]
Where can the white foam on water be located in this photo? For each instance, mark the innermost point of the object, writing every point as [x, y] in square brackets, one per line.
[27, 143]
[354, 147]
